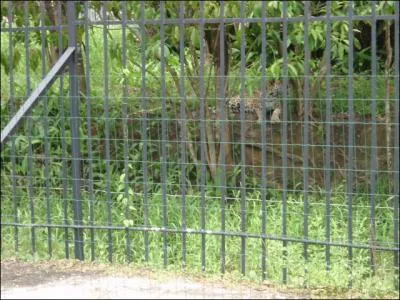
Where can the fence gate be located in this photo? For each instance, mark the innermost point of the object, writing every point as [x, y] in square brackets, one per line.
[258, 137]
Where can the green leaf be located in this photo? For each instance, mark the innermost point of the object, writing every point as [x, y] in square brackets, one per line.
[5, 63]
[292, 70]
[121, 178]
[128, 223]
[195, 38]
[176, 33]
[357, 44]
[36, 141]
[157, 51]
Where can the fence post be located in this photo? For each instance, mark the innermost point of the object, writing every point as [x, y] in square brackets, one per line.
[75, 138]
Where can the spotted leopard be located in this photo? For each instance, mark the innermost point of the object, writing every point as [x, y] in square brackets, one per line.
[253, 105]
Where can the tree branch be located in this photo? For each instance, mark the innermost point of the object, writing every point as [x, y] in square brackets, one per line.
[388, 63]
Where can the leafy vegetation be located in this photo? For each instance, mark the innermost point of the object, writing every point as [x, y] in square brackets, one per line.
[135, 183]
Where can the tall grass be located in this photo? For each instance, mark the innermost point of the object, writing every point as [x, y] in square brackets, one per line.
[314, 271]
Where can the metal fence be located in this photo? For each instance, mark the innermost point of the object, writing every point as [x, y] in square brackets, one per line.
[251, 137]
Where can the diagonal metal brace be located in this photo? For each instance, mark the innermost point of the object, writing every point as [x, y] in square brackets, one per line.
[34, 97]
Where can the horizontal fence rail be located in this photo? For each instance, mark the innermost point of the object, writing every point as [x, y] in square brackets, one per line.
[252, 137]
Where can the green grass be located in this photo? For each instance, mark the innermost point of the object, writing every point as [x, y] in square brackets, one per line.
[316, 276]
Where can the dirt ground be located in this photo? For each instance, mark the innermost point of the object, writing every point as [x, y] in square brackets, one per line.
[72, 279]
[75, 280]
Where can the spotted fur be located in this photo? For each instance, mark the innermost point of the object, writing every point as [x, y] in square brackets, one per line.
[253, 105]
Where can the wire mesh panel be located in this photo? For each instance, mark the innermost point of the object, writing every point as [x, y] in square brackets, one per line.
[255, 137]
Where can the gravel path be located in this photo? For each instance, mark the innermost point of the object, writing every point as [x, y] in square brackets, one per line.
[73, 280]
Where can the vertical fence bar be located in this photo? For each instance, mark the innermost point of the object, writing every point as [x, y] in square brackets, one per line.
[89, 130]
[350, 143]
[222, 174]
[328, 145]
[144, 129]
[182, 124]
[11, 110]
[285, 139]
[125, 131]
[242, 139]
[45, 131]
[64, 171]
[75, 137]
[107, 130]
[163, 135]
[29, 126]
[396, 170]
[374, 158]
[203, 138]
[305, 145]
[263, 142]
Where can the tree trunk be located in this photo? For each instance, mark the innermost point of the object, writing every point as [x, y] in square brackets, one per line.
[219, 148]
[53, 50]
